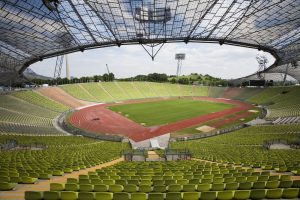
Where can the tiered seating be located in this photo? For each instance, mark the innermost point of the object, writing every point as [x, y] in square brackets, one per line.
[13, 116]
[245, 147]
[162, 90]
[130, 89]
[267, 95]
[200, 91]
[114, 91]
[63, 154]
[287, 120]
[15, 104]
[76, 91]
[246, 93]
[216, 91]
[59, 95]
[21, 117]
[26, 129]
[145, 89]
[231, 93]
[186, 90]
[284, 101]
[176, 89]
[36, 99]
[187, 180]
[97, 91]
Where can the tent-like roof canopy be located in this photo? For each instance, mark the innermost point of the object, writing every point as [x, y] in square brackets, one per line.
[31, 30]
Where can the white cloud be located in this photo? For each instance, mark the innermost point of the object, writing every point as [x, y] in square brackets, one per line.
[220, 61]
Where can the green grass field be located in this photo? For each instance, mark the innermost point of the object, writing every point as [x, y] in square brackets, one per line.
[167, 111]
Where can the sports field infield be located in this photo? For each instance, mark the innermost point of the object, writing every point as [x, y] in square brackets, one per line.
[167, 111]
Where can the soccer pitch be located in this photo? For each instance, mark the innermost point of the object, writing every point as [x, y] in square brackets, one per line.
[167, 111]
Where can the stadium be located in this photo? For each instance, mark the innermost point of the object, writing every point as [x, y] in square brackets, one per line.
[152, 137]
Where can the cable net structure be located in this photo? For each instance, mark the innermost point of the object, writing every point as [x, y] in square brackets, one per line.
[32, 30]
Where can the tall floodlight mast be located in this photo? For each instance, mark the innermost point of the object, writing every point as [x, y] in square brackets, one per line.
[67, 69]
[262, 64]
[58, 66]
[179, 57]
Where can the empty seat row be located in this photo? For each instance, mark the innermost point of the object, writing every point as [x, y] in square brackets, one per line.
[174, 187]
[287, 193]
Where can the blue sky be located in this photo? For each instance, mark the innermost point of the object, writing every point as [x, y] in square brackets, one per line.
[220, 61]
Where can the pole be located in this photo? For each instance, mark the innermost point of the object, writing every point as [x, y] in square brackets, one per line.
[67, 68]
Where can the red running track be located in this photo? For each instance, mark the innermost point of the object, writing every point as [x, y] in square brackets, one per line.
[99, 119]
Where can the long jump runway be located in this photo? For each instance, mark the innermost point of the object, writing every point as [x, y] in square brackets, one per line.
[100, 120]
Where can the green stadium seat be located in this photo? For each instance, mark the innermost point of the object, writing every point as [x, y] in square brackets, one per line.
[115, 188]
[130, 188]
[169, 182]
[173, 196]
[145, 188]
[194, 181]
[33, 195]
[84, 181]
[158, 182]
[285, 184]
[259, 185]
[208, 195]
[218, 187]
[225, 195]
[245, 186]
[285, 177]
[189, 188]
[44, 176]
[272, 184]
[258, 194]
[156, 196]
[57, 187]
[296, 184]
[290, 193]
[206, 180]
[138, 196]
[57, 173]
[104, 196]
[5, 186]
[231, 186]
[72, 180]
[229, 180]
[101, 188]
[263, 178]
[242, 194]
[274, 178]
[51, 195]
[182, 181]
[190, 195]
[96, 181]
[86, 188]
[133, 182]
[108, 181]
[71, 187]
[28, 180]
[121, 196]
[174, 188]
[121, 182]
[159, 188]
[68, 195]
[274, 193]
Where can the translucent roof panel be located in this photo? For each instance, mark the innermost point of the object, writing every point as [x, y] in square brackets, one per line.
[30, 31]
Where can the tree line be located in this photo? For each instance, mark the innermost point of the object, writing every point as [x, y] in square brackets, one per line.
[192, 79]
